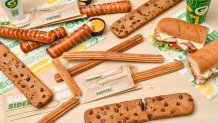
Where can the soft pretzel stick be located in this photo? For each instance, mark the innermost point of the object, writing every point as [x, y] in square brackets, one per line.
[67, 78]
[106, 8]
[23, 34]
[92, 63]
[102, 55]
[58, 112]
[71, 40]
[27, 46]
[158, 71]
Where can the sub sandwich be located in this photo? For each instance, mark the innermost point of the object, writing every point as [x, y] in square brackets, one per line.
[181, 34]
[204, 63]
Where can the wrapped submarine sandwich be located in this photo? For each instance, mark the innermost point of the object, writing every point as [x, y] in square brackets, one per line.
[204, 63]
[181, 34]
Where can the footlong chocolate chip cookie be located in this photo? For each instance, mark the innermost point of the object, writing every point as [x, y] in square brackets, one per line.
[137, 111]
[140, 16]
[32, 88]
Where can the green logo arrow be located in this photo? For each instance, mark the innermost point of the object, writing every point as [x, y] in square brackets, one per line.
[11, 3]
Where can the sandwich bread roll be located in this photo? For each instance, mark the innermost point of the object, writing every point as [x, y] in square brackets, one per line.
[205, 61]
[181, 34]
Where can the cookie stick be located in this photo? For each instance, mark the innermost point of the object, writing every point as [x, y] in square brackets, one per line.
[58, 112]
[106, 8]
[96, 55]
[92, 63]
[71, 40]
[140, 16]
[22, 34]
[158, 71]
[67, 78]
[32, 88]
[137, 111]
[27, 46]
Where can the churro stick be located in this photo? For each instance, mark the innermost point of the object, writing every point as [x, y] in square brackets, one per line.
[27, 46]
[67, 78]
[92, 63]
[96, 55]
[106, 8]
[65, 107]
[23, 34]
[158, 71]
[71, 40]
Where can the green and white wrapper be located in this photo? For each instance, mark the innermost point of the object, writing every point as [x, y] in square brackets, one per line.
[38, 60]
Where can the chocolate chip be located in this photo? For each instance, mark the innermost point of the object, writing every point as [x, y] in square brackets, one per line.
[121, 114]
[180, 97]
[112, 117]
[21, 75]
[41, 89]
[122, 27]
[102, 108]
[90, 112]
[32, 86]
[119, 121]
[126, 118]
[146, 4]
[28, 79]
[23, 86]
[116, 110]
[119, 21]
[153, 100]
[118, 105]
[159, 98]
[135, 114]
[165, 104]
[127, 108]
[162, 110]
[150, 116]
[107, 107]
[40, 104]
[5, 54]
[102, 121]
[23, 66]
[43, 96]
[126, 32]
[130, 18]
[15, 76]
[155, 5]
[172, 112]
[98, 116]
[178, 104]
[190, 99]
[105, 113]
[133, 22]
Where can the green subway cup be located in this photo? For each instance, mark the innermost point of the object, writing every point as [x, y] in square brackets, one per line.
[196, 10]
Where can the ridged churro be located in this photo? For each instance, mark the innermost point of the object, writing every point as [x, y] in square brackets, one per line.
[92, 63]
[113, 56]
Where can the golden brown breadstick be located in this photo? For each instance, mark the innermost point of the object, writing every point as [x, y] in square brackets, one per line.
[65, 107]
[68, 42]
[106, 8]
[32, 35]
[27, 46]
[102, 55]
[67, 78]
[158, 71]
[92, 63]
[60, 32]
